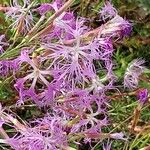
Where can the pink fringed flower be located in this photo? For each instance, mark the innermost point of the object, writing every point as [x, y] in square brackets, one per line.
[108, 11]
[75, 61]
[21, 15]
[88, 108]
[26, 86]
[58, 24]
[47, 134]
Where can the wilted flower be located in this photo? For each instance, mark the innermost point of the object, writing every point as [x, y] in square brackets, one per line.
[133, 71]
[118, 136]
[2, 43]
[44, 8]
[116, 28]
[143, 96]
[8, 66]
[4, 67]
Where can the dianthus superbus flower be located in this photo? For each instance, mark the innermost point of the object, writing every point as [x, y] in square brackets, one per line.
[47, 134]
[34, 75]
[133, 71]
[116, 26]
[21, 15]
[108, 11]
[88, 108]
[75, 61]
[65, 18]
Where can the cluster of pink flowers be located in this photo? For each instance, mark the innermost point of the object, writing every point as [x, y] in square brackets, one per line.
[58, 71]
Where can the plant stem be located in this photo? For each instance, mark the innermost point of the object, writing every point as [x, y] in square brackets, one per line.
[3, 133]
